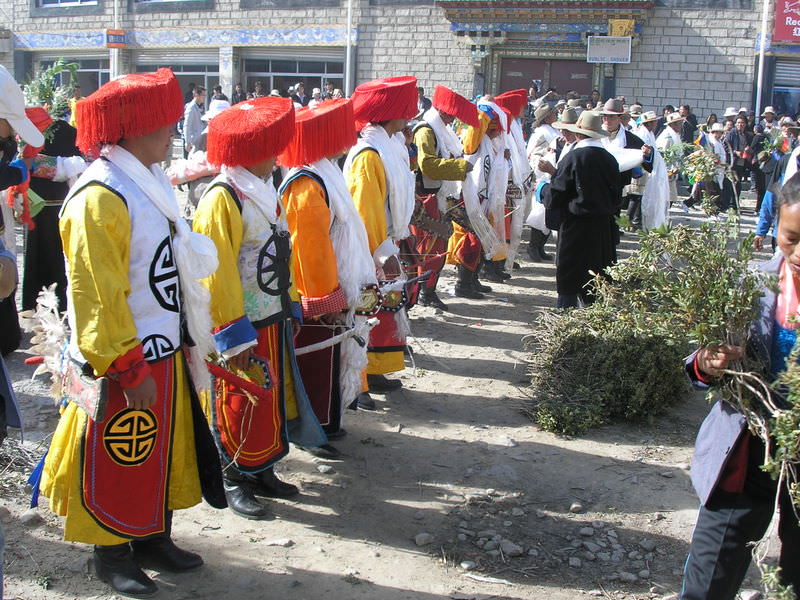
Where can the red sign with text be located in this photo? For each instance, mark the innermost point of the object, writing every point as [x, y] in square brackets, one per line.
[787, 21]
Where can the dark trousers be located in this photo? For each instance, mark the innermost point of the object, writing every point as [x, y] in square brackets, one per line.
[741, 174]
[635, 210]
[719, 556]
[574, 300]
[760, 181]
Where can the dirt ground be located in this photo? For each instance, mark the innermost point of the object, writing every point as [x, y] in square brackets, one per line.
[450, 456]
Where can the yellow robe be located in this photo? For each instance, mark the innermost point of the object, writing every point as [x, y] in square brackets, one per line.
[218, 217]
[431, 164]
[367, 183]
[96, 235]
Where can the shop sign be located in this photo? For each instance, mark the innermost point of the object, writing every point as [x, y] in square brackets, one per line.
[609, 49]
[787, 21]
[115, 38]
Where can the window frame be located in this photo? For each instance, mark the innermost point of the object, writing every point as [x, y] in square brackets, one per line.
[69, 10]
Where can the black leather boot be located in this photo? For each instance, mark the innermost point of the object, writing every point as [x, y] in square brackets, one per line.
[536, 247]
[429, 297]
[380, 384]
[490, 273]
[477, 285]
[363, 401]
[241, 499]
[499, 267]
[115, 566]
[267, 484]
[465, 286]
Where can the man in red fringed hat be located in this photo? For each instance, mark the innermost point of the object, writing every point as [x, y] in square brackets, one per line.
[382, 185]
[440, 168]
[251, 304]
[484, 194]
[332, 264]
[133, 271]
[520, 185]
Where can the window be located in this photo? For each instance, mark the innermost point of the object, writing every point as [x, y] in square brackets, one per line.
[48, 3]
[167, 6]
[280, 74]
[92, 73]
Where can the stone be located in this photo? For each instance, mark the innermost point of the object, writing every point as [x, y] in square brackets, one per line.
[604, 556]
[494, 553]
[517, 512]
[576, 507]
[592, 547]
[507, 523]
[463, 524]
[423, 539]
[575, 562]
[533, 552]
[487, 533]
[589, 556]
[659, 516]
[644, 573]
[628, 577]
[647, 545]
[490, 545]
[586, 531]
[419, 515]
[598, 524]
[477, 498]
[540, 514]
[634, 555]
[611, 533]
[461, 537]
[668, 474]
[326, 469]
[5, 515]
[31, 518]
[281, 542]
[750, 595]
[468, 565]
[467, 532]
[506, 441]
[509, 548]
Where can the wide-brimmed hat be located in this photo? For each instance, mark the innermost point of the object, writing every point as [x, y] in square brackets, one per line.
[574, 103]
[674, 118]
[590, 124]
[613, 106]
[744, 109]
[767, 110]
[214, 108]
[561, 102]
[568, 118]
[12, 109]
[636, 110]
[789, 122]
[648, 117]
[730, 112]
[717, 127]
[542, 113]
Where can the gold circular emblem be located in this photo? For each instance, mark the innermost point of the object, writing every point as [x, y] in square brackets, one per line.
[129, 438]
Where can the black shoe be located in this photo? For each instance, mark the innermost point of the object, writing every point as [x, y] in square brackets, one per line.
[325, 451]
[516, 266]
[536, 247]
[161, 553]
[478, 286]
[468, 292]
[337, 435]
[243, 502]
[465, 287]
[115, 566]
[431, 298]
[268, 485]
[380, 384]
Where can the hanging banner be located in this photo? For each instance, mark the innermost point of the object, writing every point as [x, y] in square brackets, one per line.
[787, 21]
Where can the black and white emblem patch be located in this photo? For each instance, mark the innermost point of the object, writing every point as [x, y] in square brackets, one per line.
[164, 277]
[273, 265]
[157, 346]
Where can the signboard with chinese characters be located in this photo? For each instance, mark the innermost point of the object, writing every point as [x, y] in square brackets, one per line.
[608, 49]
[787, 21]
[115, 38]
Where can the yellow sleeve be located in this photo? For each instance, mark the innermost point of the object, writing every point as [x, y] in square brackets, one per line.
[96, 235]
[313, 259]
[431, 165]
[367, 182]
[218, 217]
[473, 136]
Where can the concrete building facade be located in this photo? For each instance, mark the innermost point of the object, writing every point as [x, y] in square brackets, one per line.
[702, 52]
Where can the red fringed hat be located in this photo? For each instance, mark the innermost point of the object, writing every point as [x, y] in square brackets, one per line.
[130, 106]
[385, 99]
[447, 101]
[514, 101]
[322, 131]
[42, 120]
[250, 132]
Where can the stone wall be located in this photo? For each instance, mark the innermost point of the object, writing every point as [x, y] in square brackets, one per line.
[412, 41]
[701, 58]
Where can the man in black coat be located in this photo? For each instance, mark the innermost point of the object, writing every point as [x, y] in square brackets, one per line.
[586, 190]
[620, 137]
[740, 139]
